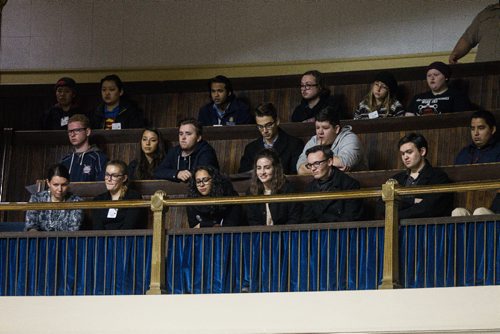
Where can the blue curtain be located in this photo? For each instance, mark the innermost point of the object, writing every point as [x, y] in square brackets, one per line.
[448, 255]
[440, 255]
[53, 266]
[274, 261]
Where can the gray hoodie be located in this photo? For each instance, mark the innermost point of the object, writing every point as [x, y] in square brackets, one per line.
[347, 147]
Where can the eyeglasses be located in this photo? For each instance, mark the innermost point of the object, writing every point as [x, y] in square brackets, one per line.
[75, 131]
[315, 164]
[308, 86]
[112, 176]
[203, 181]
[267, 126]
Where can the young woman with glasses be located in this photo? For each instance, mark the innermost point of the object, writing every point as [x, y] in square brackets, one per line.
[208, 182]
[116, 179]
[268, 179]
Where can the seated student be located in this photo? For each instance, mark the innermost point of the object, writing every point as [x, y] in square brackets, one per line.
[315, 97]
[381, 101]
[115, 112]
[150, 155]
[419, 172]
[268, 179]
[191, 152]
[208, 182]
[54, 220]
[57, 117]
[286, 146]
[348, 154]
[485, 147]
[225, 108]
[116, 180]
[441, 98]
[86, 162]
[328, 178]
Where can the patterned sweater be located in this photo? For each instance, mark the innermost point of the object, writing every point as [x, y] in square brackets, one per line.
[53, 220]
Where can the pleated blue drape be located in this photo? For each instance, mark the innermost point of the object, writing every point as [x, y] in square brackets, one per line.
[434, 255]
[55, 266]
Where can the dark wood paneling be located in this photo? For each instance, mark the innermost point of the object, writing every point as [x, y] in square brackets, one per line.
[166, 102]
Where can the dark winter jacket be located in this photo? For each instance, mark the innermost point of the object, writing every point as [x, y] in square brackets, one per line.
[237, 113]
[126, 218]
[57, 119]
[203, 155]
[281, 212]
[333, 210]
[287, 147]
[432, 205]
[216, 215]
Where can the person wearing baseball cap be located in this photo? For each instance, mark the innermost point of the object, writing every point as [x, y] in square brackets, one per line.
[381, 101]
[441, 98]
[56, 118]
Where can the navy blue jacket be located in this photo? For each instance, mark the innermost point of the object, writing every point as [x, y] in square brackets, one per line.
[474, 155]
[203, 155]
[237, 113]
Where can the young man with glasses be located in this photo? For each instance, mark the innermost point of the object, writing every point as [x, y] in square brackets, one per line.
[347, 151]
[192, 151]
[315, 97]
[286, 146]
[328, 178]
[86, 162]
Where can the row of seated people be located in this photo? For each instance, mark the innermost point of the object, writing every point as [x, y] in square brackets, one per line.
[268, 177]
[117, 112]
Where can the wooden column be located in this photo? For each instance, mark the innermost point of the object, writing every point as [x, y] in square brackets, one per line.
[157, 283]
[390, 279]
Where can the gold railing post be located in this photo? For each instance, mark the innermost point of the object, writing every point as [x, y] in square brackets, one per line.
[157, 283]
[390, 279]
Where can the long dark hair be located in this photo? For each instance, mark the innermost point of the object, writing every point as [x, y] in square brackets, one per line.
[278, 177]
[218, 183]
[144, 169]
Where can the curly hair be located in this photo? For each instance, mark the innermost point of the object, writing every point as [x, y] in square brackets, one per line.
[278, 178]
[218, 182]
[144, 170]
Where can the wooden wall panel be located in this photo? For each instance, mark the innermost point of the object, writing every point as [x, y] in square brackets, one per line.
[165, 103]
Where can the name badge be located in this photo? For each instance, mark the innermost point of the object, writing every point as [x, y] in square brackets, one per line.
[373, 114]
[112, 213]
[64, 121]
[116, 126]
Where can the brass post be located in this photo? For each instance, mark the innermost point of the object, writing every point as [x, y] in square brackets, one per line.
[157, 283]
[390, 279]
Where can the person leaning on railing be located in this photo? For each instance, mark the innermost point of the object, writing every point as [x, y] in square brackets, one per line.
[116, 179]
[268, 178]
[54, 220]
[208, 182]
[419, 172]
